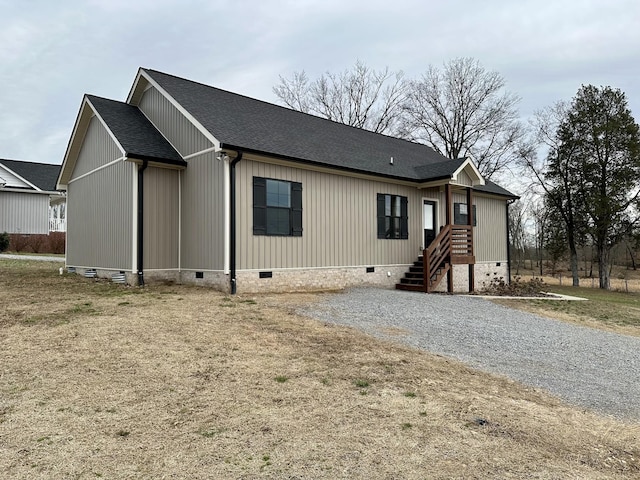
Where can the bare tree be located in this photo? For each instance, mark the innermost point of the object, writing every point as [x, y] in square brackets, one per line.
[463, 111]
[361, 97]
[552, 174]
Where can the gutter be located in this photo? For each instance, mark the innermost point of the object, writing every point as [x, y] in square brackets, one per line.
[140, 265]
[232, 223]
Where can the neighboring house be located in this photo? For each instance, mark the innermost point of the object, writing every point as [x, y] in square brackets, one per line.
[189, 183]
[29, 202]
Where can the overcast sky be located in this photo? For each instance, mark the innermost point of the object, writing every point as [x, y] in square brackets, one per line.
[53, 52]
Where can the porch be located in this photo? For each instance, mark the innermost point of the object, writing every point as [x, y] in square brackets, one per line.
[453, 245]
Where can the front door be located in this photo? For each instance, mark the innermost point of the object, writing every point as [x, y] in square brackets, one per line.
[429, 221]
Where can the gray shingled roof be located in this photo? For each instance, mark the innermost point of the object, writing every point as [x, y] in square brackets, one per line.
[254, 125]
[139, 138]
[42, 175]
[240, 122]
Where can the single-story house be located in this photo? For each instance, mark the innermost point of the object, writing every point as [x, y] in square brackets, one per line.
[29, 202]
[186, 182]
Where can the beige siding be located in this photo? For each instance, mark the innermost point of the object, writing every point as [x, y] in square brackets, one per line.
[100, 217]
[98, 148]
[24, 212]
[182, 134]
[490, 234]
[339, 222]
[464, 179]
[202, 243]
[161, 210]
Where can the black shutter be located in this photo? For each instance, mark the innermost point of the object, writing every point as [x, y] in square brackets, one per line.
[382, 231]
[474, 216]
[404, 218]
[259, 206]
[296, 209]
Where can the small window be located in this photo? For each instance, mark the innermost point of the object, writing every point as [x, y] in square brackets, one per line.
[392, 217]
[460, 214]
[277, 207]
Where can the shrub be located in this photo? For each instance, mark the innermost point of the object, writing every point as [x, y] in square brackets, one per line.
[19, 242]
[56, 242]
[38, 243]
[4, 241]
[516, 288]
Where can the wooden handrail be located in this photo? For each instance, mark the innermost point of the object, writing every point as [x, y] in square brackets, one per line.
[452, 241]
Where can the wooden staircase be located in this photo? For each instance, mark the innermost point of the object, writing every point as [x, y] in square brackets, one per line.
[414, 279]
[453, 245]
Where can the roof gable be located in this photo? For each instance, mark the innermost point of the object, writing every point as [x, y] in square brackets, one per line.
[36, 176]
[133, 131]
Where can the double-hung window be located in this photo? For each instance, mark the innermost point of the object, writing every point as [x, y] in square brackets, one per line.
[461, 214]
[392, 216]
[277, 207]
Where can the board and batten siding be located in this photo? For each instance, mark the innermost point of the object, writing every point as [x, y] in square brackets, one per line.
[100, 218]
[339, 221]
[26, 213]
[490, 234]
[98, 149]
[161, 218]
[100, 205]
[203, 223]
[175, 127]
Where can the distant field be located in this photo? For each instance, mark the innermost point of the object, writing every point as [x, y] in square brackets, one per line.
[105, 381]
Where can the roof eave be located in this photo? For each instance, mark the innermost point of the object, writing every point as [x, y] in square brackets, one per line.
[229, 146]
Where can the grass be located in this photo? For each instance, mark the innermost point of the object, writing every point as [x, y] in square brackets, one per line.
[605, 309]
[166, 388]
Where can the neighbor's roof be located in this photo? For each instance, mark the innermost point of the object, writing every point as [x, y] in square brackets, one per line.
[137, 136]
[42, 175]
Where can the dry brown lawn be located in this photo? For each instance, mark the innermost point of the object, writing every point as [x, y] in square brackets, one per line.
[104, 381]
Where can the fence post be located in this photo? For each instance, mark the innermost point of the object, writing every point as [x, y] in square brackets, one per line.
[560, 275]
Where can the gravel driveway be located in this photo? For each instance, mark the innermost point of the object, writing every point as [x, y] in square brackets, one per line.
[586, 367]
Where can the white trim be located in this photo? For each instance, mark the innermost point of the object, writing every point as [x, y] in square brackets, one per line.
[436, 219]
[202, 270]
[201, 152]
[332, 267]
[104, 124]
[101, 167]
[71, 142]
[179, 219]
[110, 269]
[134, 232]
[469, 163]
[31, 192]
[226, 191]
[19, 177]
[177, 105]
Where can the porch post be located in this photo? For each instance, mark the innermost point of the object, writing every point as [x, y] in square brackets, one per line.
[470, 218]
[448, 200]
[449, 206]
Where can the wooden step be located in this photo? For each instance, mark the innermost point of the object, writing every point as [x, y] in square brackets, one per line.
[410, 287]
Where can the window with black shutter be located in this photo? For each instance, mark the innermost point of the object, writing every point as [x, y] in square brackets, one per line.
[460, 214]
[277, 207]
[393, 221]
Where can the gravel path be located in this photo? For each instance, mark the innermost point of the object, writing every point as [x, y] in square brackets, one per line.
[587, 367]
[39, 258]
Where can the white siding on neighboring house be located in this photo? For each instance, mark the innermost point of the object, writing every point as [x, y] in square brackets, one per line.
[26, 213]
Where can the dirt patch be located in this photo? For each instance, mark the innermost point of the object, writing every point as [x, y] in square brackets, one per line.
[101, 380]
